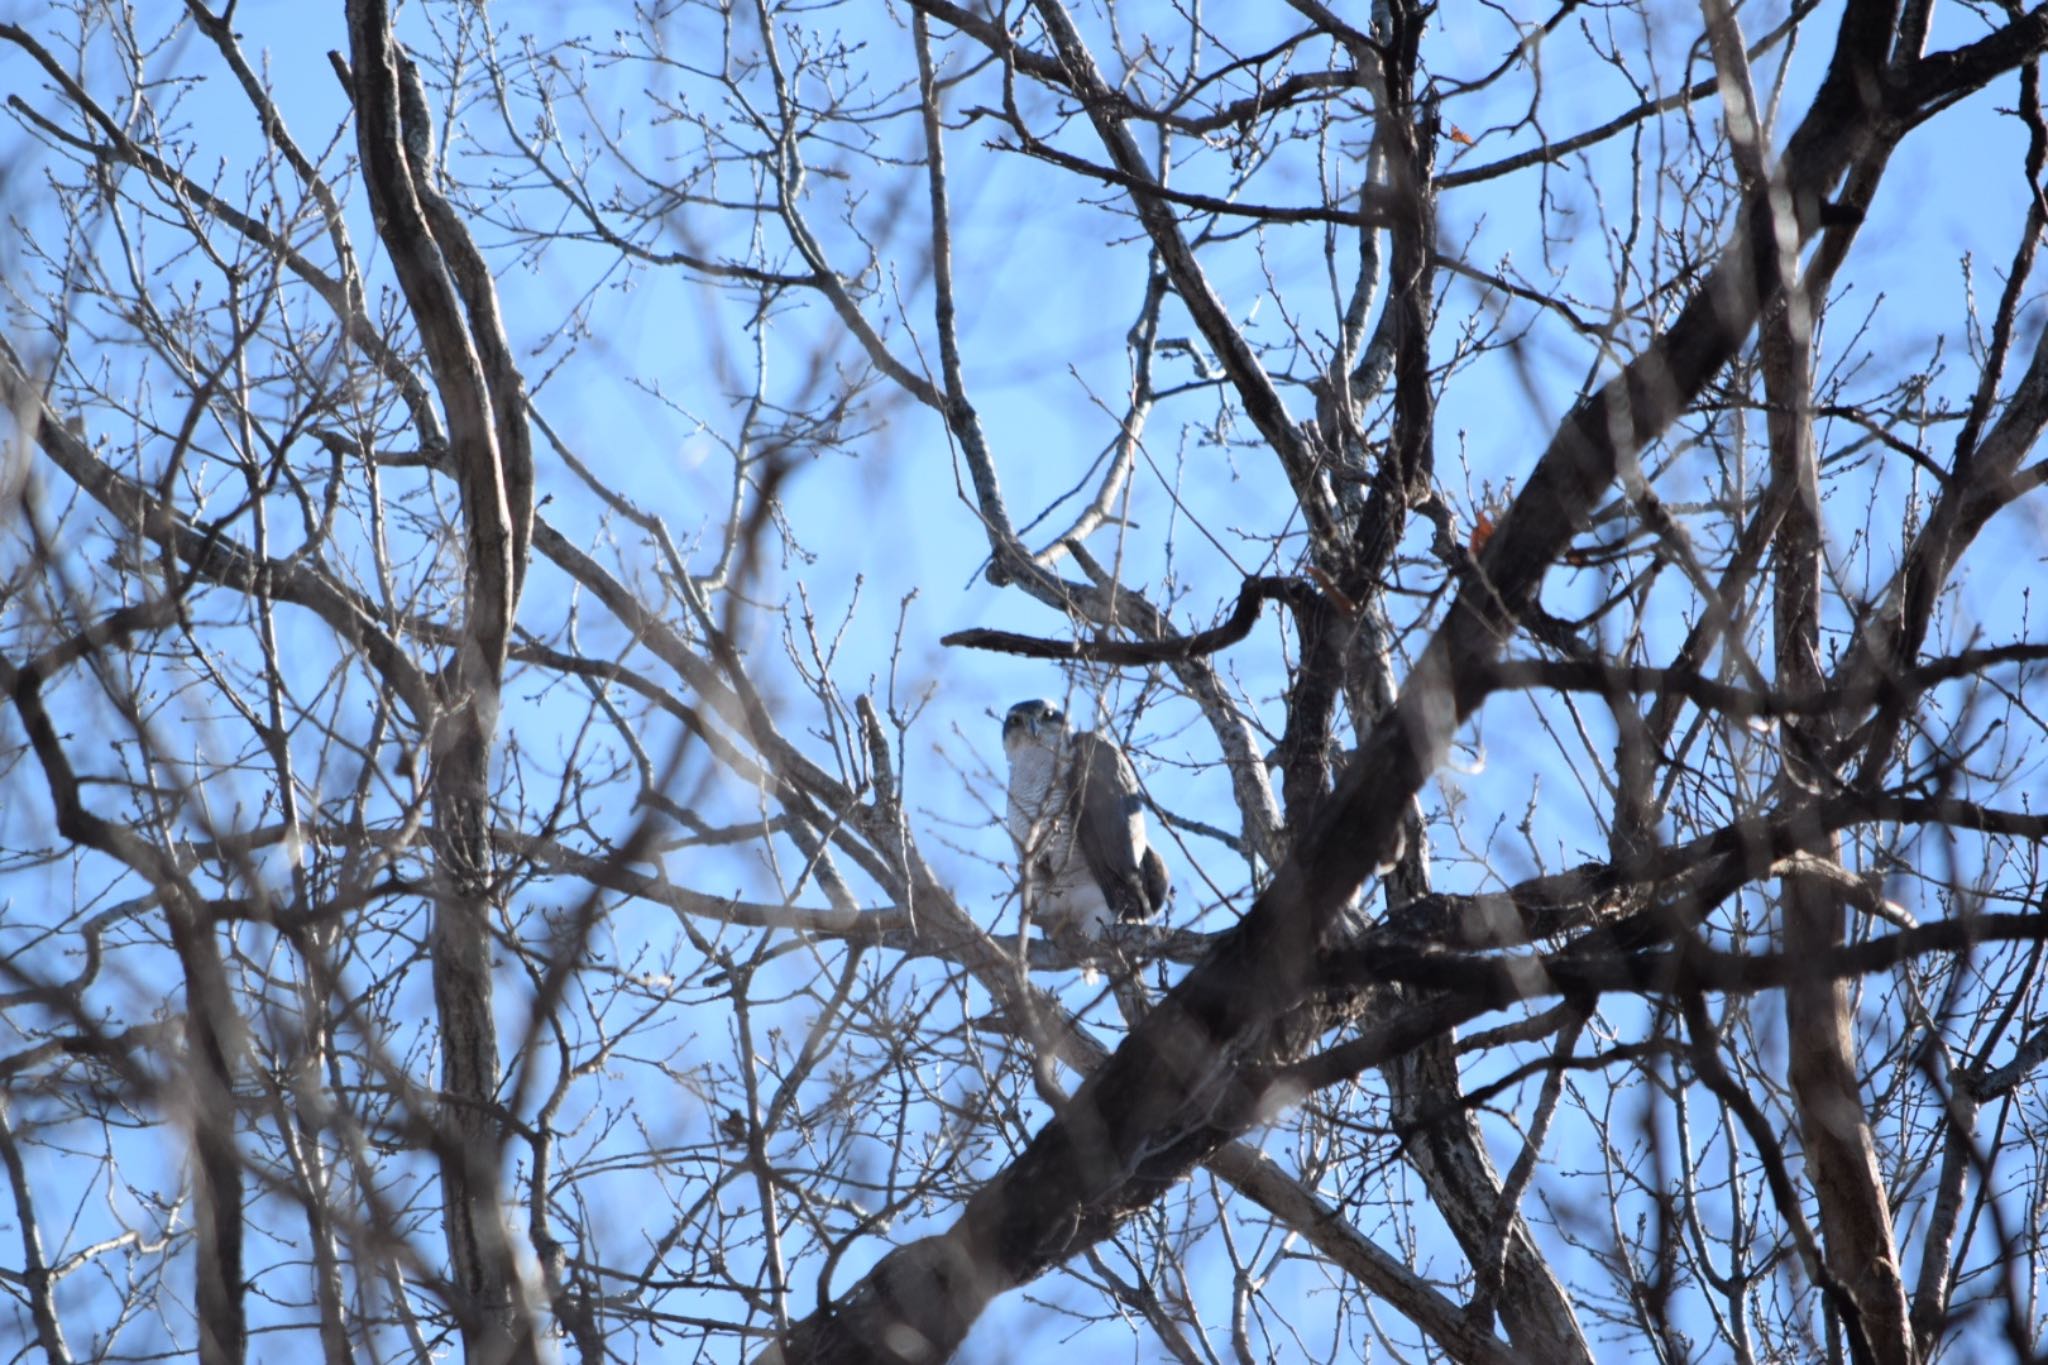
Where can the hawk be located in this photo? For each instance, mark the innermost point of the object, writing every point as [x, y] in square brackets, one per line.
[1079, 823]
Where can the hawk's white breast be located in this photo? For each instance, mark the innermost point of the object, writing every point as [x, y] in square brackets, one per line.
[1059, 890]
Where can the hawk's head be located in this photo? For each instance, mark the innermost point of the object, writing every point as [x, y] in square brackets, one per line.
[1033, 724]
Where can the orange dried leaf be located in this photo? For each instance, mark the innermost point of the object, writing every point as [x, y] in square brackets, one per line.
[1482, 531]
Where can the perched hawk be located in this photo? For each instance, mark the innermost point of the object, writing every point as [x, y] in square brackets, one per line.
[1079, 824]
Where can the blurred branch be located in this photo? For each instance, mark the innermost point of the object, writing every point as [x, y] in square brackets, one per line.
[1243, 616]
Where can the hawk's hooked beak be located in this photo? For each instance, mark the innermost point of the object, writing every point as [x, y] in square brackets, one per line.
[1034, 718]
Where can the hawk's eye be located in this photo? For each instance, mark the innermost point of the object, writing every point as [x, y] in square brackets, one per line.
[1055, 716]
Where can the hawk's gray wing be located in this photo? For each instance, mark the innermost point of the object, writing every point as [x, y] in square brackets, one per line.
[1152, 871]
[1109, 826]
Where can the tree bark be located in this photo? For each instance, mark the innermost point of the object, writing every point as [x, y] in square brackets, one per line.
[451, 301]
